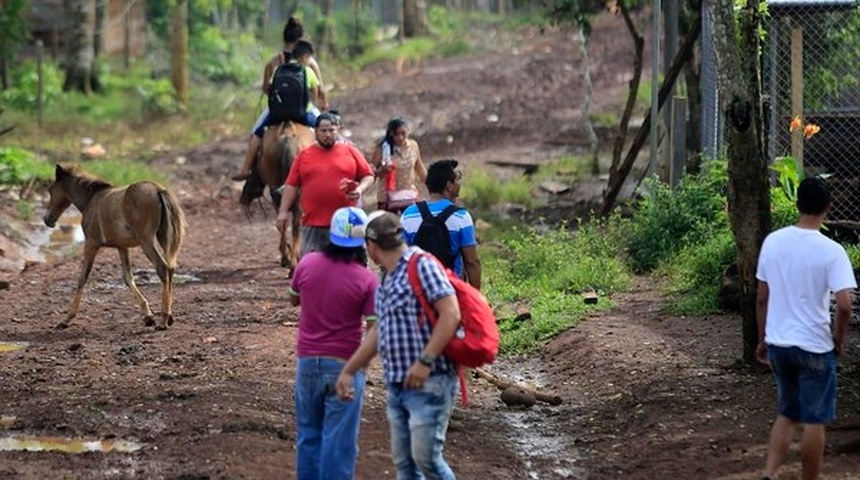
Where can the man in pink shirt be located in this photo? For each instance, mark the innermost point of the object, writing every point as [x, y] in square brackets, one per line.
[335, 290]
[329, 175]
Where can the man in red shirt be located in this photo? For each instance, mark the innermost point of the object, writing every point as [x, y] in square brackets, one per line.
[330, 175]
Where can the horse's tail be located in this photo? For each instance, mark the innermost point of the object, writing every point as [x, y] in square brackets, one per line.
[172, 228]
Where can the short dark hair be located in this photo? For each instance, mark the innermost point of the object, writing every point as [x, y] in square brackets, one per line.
[345, 254]
[326, 116]
[813, 196]
[293, 30]
[440, 173]
[302, 48]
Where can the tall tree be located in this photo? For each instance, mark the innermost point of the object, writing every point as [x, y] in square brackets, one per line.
[415, 23]
[80, 55]
[737, 48]
[14, 29]
[179, 51]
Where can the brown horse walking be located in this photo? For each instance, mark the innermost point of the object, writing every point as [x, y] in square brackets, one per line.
[142, 214]
[281, 144]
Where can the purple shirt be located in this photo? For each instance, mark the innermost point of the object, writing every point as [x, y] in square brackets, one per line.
[334, 298]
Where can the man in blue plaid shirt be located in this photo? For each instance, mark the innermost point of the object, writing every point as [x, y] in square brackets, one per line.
[421, 382]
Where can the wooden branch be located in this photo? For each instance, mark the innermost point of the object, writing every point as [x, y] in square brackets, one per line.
[683, 55]
[502, 384]
[6, 130]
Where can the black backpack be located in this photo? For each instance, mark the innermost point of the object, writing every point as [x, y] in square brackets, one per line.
[433, 236]
[288, 92]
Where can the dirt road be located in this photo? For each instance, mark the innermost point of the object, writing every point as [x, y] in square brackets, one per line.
[647, 395]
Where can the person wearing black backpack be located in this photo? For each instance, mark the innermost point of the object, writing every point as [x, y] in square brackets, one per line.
[296, 51]
[440, 227]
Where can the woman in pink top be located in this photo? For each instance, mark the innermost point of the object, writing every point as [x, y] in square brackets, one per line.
[398, 163]
[335, 290]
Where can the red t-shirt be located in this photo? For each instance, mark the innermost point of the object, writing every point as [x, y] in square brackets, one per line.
[317, 172]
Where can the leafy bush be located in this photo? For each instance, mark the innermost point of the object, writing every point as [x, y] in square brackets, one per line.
[158, 98]
[25, 85]
[696, 270]
[667, 219]
[220, 59]
[19, 166]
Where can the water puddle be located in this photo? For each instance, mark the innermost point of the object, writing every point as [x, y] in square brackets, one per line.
[547, 446]
[6, 347]
[67, 445]
[50, 244]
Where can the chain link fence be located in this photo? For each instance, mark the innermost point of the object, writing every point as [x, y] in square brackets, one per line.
[811, 60]
[812, 73]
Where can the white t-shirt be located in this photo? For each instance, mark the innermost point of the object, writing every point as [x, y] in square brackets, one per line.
[802, 267]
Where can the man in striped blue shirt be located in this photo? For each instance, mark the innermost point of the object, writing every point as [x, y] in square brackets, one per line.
[421, 382]
[443, 185]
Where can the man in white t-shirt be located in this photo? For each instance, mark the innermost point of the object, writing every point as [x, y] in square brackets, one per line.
[798, 268]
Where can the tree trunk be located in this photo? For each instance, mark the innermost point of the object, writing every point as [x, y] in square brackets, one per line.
[415, 22]
[587, 96]
[98, 44]
[79, 47]
[325, 37]
[739, 81]
[690, 12]
[179, 51]
[618, 173]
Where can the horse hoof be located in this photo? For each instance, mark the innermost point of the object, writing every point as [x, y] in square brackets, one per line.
[62, 326]
[148, 321]
[170, 320]
[285, 262]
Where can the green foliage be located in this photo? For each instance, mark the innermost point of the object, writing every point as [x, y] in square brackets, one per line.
[158, 98]
[481, 190]
[789, 176]
[25, 83]
[18, 166]
[695, 271]
[223, 56]
[119, 172]
[546, 272]
[853, 254]
[13, 25]
[783, 209]
[667, 219]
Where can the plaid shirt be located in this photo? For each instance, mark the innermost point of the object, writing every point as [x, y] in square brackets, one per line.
[401, 337]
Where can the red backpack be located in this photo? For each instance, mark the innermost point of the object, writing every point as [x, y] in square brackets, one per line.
[476, 342]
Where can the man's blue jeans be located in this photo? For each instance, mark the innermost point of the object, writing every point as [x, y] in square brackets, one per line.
[419, 421]
[327, 444]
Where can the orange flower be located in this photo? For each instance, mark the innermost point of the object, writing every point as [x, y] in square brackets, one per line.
[796, 124]
[810, 130]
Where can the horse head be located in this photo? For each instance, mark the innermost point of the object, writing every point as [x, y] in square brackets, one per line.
[59, 199]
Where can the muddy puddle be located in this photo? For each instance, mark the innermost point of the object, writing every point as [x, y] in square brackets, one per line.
[50, 244]
[66, 445]
[549, 453]
[6, 347]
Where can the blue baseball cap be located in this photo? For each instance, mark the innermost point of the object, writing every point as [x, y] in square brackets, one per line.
[347, 227]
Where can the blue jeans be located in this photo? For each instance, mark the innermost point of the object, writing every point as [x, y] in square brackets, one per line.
[327, 443]
[805, 384]
[419, 421]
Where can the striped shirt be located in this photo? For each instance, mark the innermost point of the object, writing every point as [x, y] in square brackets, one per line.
[401, 337]
[461, 228]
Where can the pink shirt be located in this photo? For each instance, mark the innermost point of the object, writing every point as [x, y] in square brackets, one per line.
[334, 298]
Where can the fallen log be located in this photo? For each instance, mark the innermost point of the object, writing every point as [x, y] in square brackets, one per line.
[522, 390]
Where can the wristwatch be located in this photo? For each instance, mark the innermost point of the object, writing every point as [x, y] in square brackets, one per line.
[426, 359]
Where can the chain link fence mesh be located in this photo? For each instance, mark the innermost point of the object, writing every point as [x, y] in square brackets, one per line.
[811, 70]
[812, 73]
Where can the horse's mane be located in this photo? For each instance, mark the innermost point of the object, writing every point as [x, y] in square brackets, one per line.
[87, 181]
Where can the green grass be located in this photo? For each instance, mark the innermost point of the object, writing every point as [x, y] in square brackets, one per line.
[545, 274]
